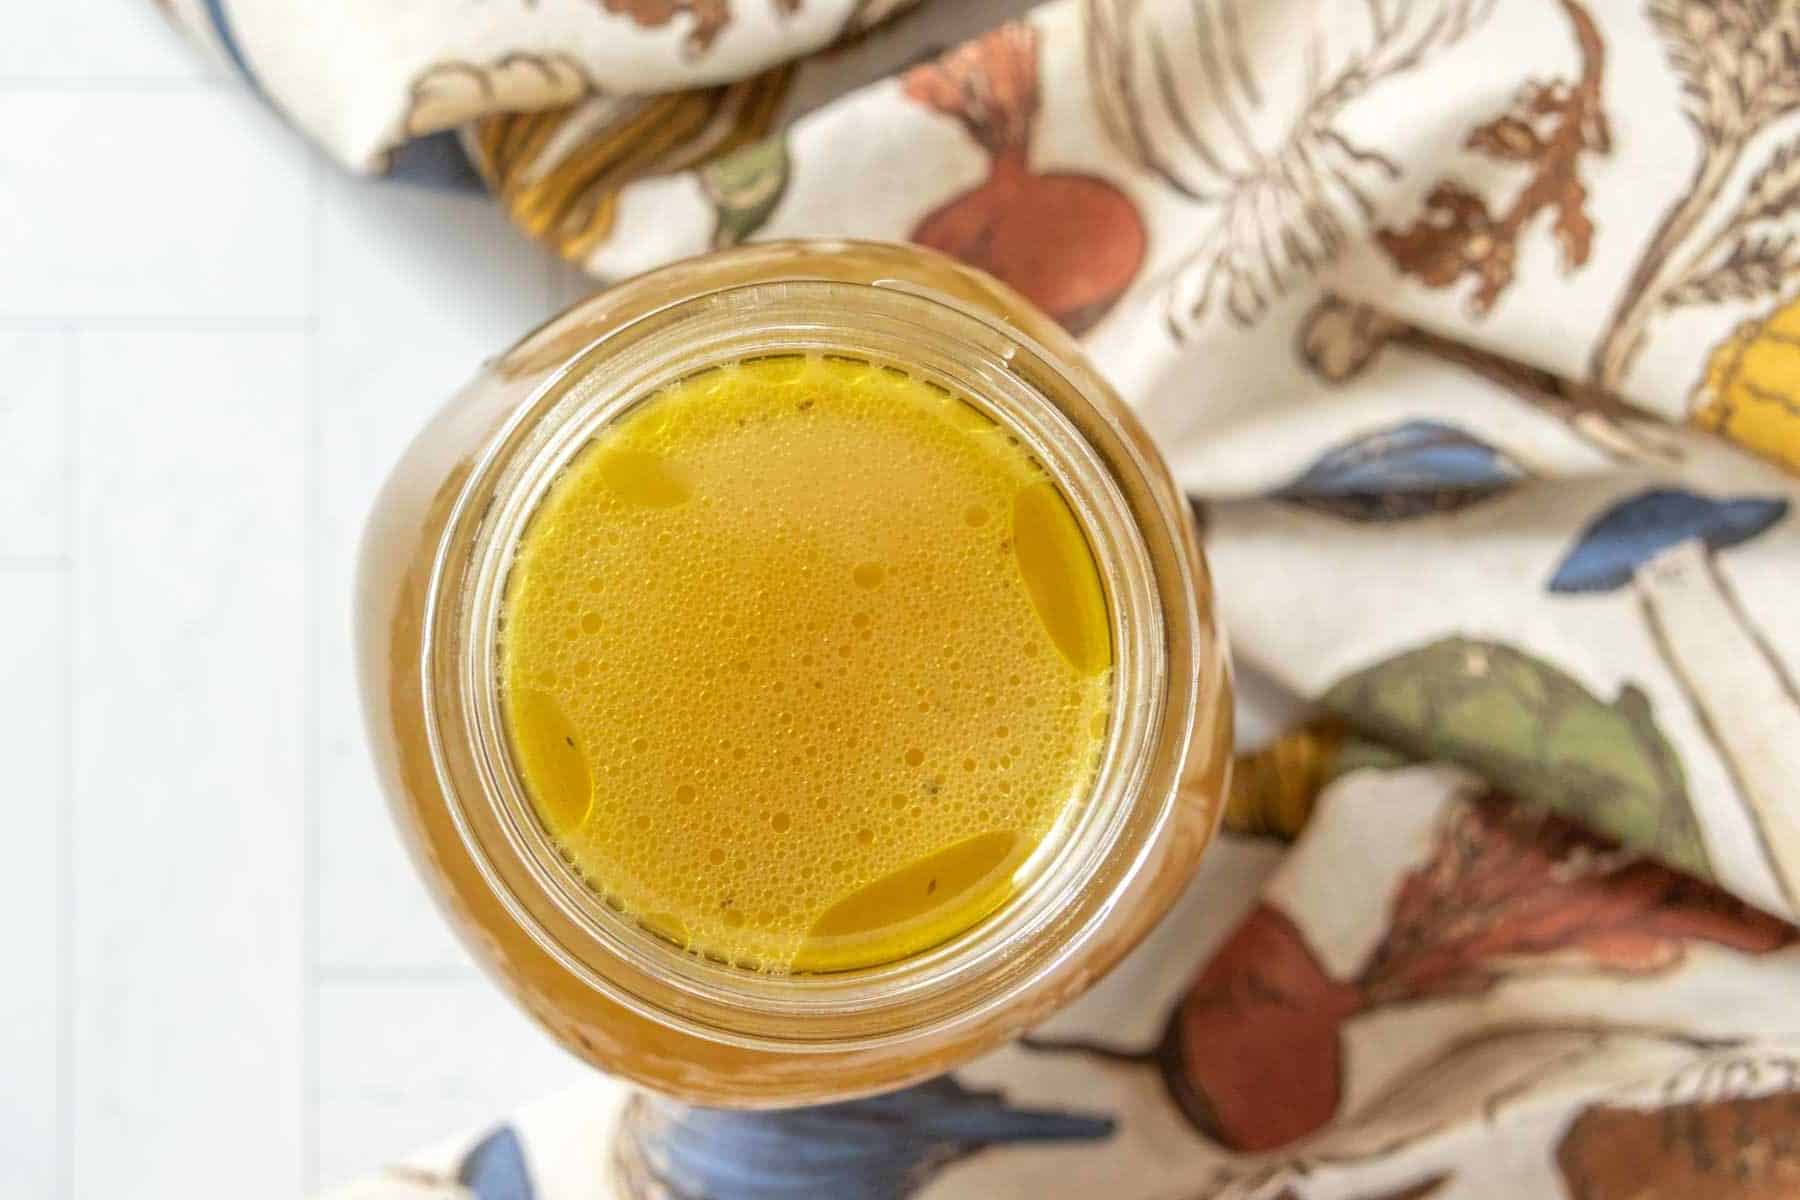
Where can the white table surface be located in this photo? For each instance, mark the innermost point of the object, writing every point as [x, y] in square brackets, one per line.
[224, 978]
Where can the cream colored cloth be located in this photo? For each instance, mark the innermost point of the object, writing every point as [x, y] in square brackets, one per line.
[1473, 326]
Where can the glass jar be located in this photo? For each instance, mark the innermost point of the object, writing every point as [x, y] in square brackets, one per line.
[433, 566]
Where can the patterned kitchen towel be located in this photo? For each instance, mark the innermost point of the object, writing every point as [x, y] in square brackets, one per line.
[1473, 327]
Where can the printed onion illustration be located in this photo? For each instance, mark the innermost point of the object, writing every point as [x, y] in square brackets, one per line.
[1069, 242]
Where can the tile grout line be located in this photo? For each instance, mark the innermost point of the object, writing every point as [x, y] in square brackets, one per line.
[121, 85]
[65, 825]
[152, 322]
[26, 563]
[313, 468]
[155, 85]
[351, 974]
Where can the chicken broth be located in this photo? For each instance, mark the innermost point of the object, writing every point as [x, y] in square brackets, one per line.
[802, 658]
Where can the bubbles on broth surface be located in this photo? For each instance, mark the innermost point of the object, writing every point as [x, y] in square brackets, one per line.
[839, 660]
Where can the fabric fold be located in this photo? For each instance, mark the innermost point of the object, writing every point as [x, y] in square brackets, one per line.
[1473, 329]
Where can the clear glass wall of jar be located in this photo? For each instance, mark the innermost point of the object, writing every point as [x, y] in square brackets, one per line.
[433, 566]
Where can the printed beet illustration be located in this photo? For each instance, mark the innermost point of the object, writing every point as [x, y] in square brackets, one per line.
[1254, 1054]
[1662, 543]
[1069, 242]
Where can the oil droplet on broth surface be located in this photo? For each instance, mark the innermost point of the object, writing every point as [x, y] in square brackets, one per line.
[551, 758]
[1052, 551]
[791, 621]
[924, 902]
[639, 478]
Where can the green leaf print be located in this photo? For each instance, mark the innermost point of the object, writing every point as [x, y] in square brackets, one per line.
[1536, 733]
[744, 188]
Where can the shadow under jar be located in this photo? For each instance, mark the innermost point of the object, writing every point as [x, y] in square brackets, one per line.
[445, 537]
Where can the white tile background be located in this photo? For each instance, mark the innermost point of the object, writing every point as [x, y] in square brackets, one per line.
[222, 977]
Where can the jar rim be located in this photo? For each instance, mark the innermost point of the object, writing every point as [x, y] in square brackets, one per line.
[1094, 861]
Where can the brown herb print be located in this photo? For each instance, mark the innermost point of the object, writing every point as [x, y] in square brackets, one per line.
[1283, 197]
[1068, 241]
[710, 17]
[1738, 62]
[1546, 130]
[1339, 339]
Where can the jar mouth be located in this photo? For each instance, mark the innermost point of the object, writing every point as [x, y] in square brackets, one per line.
[1077, 873]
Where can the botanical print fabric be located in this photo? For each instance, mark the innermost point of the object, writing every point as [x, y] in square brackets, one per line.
[1473, 328]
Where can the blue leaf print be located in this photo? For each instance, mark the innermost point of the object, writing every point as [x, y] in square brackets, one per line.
[880, 1148]
[1403, 472]
[494, 1169]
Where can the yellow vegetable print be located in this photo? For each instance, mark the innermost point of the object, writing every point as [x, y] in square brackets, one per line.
[1750, 391]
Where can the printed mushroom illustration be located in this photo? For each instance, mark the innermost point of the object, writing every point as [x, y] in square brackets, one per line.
[880, 1148]
[1662, 544]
